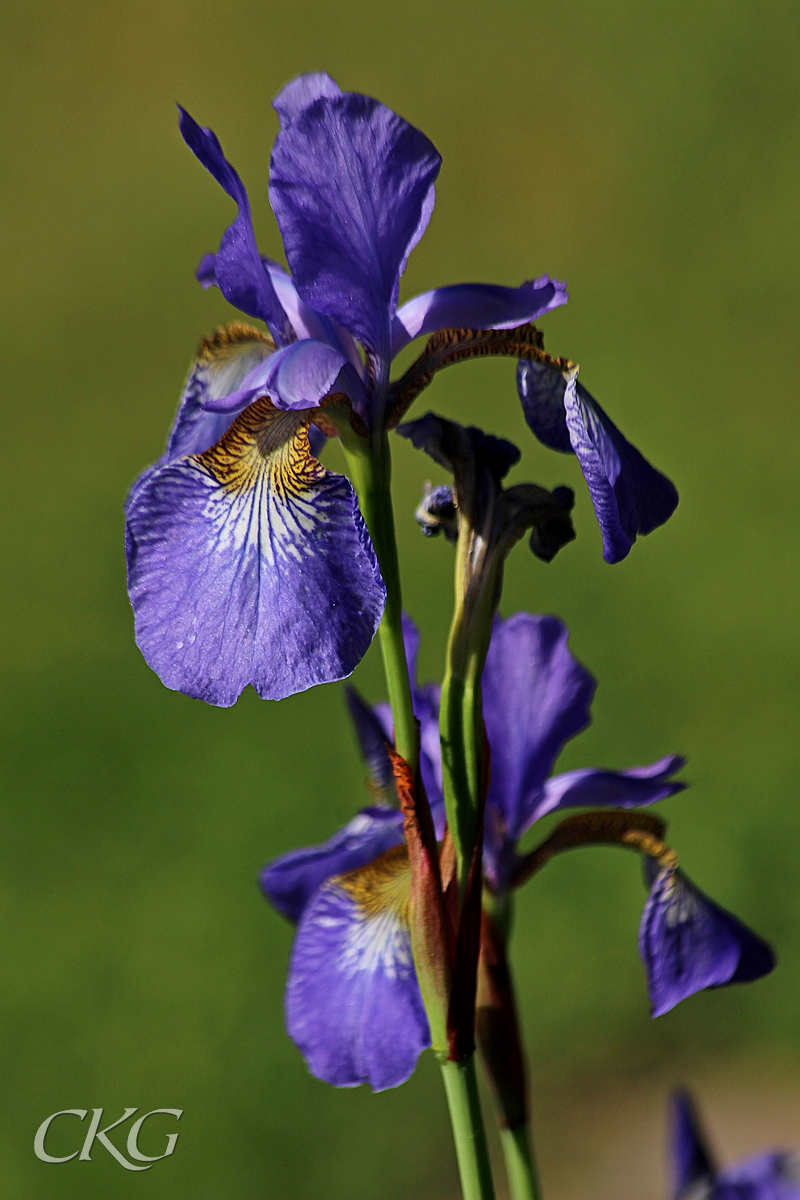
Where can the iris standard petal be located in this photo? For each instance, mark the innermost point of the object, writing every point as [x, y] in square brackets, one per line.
[353, 1005]
[302, 91]
[536, 697]
[629, 495]
[251, 564]
[349, 183]
[475, 306]
[290, 881]
[237, 268]
[374, 744]
[688, 943]
[587, 788]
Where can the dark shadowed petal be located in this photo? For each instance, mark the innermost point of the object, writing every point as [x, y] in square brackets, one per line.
[536, 697]
[353, 1004]
[290, 881]
[633, 788]
[629, 495]
[690, 1159]
[296, 377]
[688, 943]
[374, 743]
[475, 306]
[302, 91]
[237, 267]
[251, 563]
[349, 183]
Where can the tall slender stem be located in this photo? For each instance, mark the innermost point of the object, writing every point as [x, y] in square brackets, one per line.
[523, 1180]
[370, 466]
[461, 1086]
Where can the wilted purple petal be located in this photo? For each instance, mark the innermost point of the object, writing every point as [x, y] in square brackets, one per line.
[629, 495]
[348, 184]
[290, 881]
[237, 267]
[536, 697]
[688, 943]
[475, 306]
[251, 563]
[353, 1004]
[588, 788]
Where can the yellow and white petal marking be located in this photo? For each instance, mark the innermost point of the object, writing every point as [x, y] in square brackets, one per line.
[353, 1004]
[250, 563]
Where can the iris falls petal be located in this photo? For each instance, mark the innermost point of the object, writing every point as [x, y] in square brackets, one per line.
[251, 564]
[350, 185]
[629, 495]
[688, 943]
[353, 1005]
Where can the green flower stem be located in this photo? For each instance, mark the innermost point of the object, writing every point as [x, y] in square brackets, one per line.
[461, 1087]
[523, 1181]
[370, 467]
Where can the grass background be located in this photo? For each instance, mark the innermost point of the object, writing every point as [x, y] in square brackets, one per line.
[647, 153]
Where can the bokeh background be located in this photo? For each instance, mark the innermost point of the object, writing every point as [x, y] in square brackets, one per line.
[647, 153]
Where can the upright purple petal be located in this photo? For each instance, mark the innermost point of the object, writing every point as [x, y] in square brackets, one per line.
[590, 788]
[353, 1004]
[251, 564]
[690, 1158]
[309, 324]
[629, 495]
[237, 268]
[349, 184]
[290, 881]
[536, 697]
[688, 943]
[475, 306]
[302, 91]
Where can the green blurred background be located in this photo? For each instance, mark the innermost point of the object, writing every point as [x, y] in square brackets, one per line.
[647, 153]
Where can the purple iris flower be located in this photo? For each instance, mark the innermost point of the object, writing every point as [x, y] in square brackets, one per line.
[629, 495]
[353, 1004]
[771, 1176]
[249, 562]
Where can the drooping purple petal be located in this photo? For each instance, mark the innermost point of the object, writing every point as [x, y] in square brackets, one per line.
[536, 697]
[302, 91]
[251, 564]
[237, 267]
[589, 788]
[296, 377]
[290, 881]
[687, 943]
[690, 1158]
[475, 306]
[353, 1004]
[630, 496]
[349, 182]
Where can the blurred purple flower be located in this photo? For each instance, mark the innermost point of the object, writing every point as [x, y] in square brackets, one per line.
[771, 1176]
